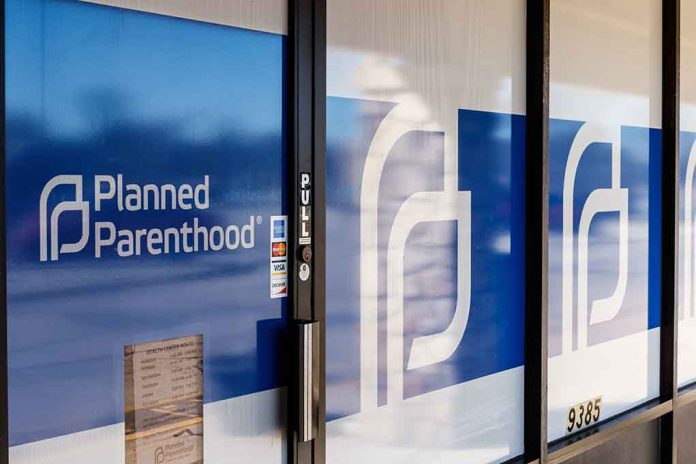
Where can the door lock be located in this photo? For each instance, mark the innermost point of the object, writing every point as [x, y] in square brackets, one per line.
[306, 254]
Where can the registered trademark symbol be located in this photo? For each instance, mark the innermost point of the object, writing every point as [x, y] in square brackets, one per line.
[259, 219]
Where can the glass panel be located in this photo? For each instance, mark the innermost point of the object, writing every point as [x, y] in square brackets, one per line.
[145, 162]
[687, 200]
[425, 231]
[604, 213]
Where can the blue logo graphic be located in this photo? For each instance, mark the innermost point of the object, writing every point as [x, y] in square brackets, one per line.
[279, 229]
[604, 236]
[437, 268]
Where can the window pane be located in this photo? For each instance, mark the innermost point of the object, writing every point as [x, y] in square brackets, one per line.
[425, 230]
[604, 213]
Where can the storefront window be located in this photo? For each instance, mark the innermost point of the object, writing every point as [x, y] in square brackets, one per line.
[604, 214]
[425, 231]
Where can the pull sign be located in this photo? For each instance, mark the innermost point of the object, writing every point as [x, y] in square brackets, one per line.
[305, 235]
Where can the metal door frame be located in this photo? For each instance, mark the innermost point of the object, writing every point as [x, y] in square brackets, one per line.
[663, 408]
[306, 71]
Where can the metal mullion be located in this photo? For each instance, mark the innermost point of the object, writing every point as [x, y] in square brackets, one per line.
[4, 410]
[536, 238]
[319, 169]
[670, 228]
[306, 97]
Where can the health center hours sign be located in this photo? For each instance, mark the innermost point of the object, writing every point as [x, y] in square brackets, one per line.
[164, 401]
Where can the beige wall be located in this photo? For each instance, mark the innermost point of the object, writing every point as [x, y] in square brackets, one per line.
[262, 15]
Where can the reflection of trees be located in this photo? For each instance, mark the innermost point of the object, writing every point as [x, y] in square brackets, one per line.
[77, 312]
[244, 166]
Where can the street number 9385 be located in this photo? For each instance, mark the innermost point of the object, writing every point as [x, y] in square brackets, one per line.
[584, 414]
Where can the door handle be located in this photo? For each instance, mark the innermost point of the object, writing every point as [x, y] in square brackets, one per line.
[308, 336]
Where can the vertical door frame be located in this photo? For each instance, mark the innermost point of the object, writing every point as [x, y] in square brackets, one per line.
[306, 80]
[4, 398]
[536, 230]
[669, 269]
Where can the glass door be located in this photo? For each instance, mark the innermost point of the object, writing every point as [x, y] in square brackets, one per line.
[146, 236]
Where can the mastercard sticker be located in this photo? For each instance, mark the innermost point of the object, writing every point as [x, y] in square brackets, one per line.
[278, 249]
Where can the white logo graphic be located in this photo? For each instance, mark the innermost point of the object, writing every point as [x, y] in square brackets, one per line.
[74, 205]
[447, 205]
[689, 310]
[603, 200]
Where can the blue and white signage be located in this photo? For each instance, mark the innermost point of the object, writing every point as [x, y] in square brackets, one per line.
[110, 194]
[687, 261]
[438, 273]
[419, 245]
[144, 169]
[604, 232]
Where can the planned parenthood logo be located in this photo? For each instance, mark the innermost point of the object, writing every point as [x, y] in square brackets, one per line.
[613, 199]
[447, 205]
[78, 205]
[689, 260]
[603, 233]
[110, 193]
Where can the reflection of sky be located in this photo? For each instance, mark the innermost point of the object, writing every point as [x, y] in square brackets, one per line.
[687, 368]
[395, 64]
[99, 90]
[428, 310]
[490, 166]
[119, 47]
[688, 141]
[425, 67]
